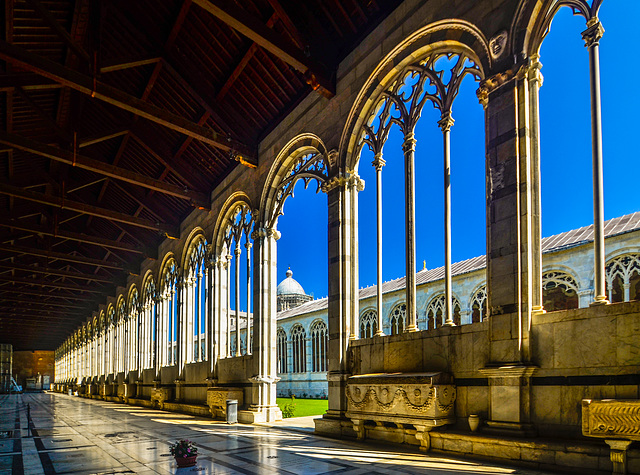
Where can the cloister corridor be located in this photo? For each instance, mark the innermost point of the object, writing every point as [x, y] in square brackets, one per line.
[82, 436]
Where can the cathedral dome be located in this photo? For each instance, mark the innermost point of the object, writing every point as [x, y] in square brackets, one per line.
[289, 286]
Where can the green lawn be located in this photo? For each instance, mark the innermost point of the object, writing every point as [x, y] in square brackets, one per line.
[305, 407]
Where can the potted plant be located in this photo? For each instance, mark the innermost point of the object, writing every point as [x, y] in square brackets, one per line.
[185, 452]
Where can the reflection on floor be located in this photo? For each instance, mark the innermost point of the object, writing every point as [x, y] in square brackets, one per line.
[73, 435]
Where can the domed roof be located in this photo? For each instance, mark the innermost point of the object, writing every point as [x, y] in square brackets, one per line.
[290, 286]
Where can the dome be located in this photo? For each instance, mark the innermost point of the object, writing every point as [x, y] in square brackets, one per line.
[290, 286]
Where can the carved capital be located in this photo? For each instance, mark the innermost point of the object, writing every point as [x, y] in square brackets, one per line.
[333, 183]
[378, 162]
[409, 144]
[446, 122]
[593, 33]
[532, 70]
[355, 182]
[487, 86]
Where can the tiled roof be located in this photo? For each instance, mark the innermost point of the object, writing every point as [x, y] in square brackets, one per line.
[558, 242]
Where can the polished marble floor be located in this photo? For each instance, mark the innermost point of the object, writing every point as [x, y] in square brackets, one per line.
[73, 435]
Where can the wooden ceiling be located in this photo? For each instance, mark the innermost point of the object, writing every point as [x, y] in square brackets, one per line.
[118, 117]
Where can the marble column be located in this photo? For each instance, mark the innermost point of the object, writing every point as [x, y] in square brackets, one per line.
[238, 253]
[408, 148]
[592, 36]
[248, 245]
[535, 79]
[263, 406]
[378, 163]
[445, 123]
[343, 294]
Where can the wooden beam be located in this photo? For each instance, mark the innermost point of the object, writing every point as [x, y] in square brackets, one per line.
[60, 256]
[85, 84]
[129, 63]
[57, 27]
[112, 134]
[13, 291]
[27, 81]
[54, 285]
[58, 272]
[84, 208]
[4, 298]
[22, 310]
[198, 198]
[79, 237]
[253, 28]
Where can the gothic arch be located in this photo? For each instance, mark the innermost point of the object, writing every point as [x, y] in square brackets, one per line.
[305, 157]
[368, 322]
[236, 200]
[478, 303]
[437, 304]
[133, 299]
[196, 236]
[445, 36]
[533, 19]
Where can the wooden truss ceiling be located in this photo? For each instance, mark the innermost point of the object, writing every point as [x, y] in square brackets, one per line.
[118, 117]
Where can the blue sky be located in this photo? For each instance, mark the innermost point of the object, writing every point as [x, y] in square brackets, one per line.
[565, 163]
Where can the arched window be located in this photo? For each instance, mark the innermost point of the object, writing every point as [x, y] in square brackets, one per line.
[148, 330]
[559, 291]
[435, 312]
[235, 277]
[397, 318]
[623, 278]
[197, 297]
[368, 323]
[111, 341]
[299, 347]
[134, 322]
[479, 305]
[169, 314]
[121, 331]
[319, 343]
[281, 350]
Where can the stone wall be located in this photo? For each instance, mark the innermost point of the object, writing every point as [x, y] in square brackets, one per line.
[583, 353]
[33, 364]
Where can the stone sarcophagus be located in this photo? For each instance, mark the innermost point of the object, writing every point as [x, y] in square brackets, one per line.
[615, 420]
[160, 395]
[417, 400]
[217, 400]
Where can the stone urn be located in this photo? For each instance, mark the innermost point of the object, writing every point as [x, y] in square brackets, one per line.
[474, 422]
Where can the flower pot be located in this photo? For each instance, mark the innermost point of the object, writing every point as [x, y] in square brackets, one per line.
[186, 461]
[474, 422]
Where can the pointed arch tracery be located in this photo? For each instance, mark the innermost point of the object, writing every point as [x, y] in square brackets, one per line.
[559, 290]
[319, 344]
[623, 277]
[168, 312]
[478, 304]
[233, 232]
[196, 295]
[147, 327]
[134, 320]
[368, 323]
[398, 318]
[281, 350]
[436, 310]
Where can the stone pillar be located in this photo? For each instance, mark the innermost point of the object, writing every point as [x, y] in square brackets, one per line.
[248, 245]
[592, 36]
[585, 297]
[238, 253]
[534, 79]
[378, 163]
[512, 247]
[211, 326]
[227, 269]
[263, 406]
[445, 123]
[618, 454]
[510, 400]
[408, 148]
[343, 295]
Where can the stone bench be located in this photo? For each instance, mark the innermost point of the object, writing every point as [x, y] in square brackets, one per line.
[217, 400]
[410, 401]
[615, 420]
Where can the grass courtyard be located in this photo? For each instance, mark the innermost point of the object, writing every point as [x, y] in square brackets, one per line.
[304, 407]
